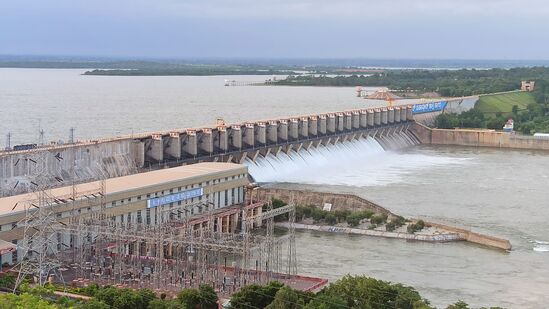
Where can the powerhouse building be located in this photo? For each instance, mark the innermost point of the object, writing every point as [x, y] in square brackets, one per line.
[138, 198]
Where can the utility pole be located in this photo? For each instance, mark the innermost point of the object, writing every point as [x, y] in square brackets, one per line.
[8, 141]
[71, 136]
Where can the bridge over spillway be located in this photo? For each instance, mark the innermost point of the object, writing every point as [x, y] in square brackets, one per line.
[85, 161]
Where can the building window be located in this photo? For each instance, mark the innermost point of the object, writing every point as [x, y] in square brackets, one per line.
[113, 203]
[148, 195]
[139, 220]
[171, 190]
[148, 217]
[139, 198]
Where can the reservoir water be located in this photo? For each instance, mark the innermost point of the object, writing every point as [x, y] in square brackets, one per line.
[499, 192]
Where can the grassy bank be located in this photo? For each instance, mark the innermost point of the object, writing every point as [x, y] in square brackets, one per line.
[504, 102]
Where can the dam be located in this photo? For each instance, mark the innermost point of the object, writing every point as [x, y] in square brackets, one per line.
[113, 157]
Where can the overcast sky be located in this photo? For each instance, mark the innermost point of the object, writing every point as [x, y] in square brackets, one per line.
[445, 29]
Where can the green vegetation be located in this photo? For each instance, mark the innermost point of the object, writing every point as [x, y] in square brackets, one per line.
[354, 292]
[416, 227]
[349, 292]
[530, 112]
[190, 70]
[352, 218]
[448, 83]
[504, 103]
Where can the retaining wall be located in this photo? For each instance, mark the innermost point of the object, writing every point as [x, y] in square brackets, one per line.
[353, 202]
[476, 238]
[318, 199]
[478, 138]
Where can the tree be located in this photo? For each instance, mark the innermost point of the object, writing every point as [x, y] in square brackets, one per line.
[354, 219]
[364, 292]
[255, 296]
[459, 305]
[189, 298]
[95, 304]
[330, 219]
[25, 300]
[286, 298]
[208, 297]
[326, 301]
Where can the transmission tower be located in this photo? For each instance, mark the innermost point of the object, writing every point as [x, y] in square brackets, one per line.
[71, 135]
[40, 245]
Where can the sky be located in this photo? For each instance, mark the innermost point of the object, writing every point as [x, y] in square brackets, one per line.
[408, 29]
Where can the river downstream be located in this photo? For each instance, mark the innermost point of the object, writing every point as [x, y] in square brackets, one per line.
[497, 192]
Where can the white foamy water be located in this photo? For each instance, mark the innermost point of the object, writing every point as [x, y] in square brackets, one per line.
[541, 248]
[362, 162]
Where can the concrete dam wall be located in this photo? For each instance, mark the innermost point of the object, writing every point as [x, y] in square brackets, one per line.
[86, 162]
[478, 138]
[454, 106]
[91, 160]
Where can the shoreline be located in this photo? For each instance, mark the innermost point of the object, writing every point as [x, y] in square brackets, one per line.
[353, 202]
[446, 237]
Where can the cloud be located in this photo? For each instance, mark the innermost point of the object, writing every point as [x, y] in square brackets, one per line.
[278, 28]
[290, 9]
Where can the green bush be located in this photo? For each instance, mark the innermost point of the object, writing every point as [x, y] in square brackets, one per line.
[330, 219]
[416, 227]
[398, 221]
[354, 219]
[389, 227]
[341, 214]
[378, 219]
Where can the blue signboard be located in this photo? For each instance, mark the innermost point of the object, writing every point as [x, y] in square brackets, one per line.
[174, 198]
[429, 107]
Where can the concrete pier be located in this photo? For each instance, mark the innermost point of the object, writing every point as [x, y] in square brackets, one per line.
[236, 138]
[340, 122]
[205, 142]
[154, 148]
[313, 126]
[260, 133]
[272, 132]
[370, 118]
[322, 124]
[384, 116]
[377, 117]
[172, 145]
[189, 144]
[293, 129]
[248, 138]
[397, 114]
[331, 123]
[282, 131]
[303, 127]
[390, 115]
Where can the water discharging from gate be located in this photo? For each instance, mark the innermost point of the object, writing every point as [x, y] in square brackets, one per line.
[359, 162]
